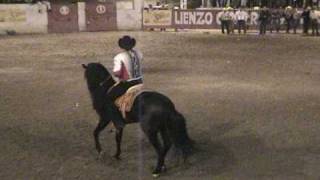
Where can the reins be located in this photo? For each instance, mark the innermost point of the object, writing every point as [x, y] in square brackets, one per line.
[104, 81]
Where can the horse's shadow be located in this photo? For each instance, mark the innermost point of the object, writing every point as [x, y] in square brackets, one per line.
[210, 155]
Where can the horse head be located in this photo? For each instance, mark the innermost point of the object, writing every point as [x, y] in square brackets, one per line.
[97, 76]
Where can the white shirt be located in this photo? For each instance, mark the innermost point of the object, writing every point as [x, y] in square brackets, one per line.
[127, 65]
[241, 15]
[315, 15]
[232, 15]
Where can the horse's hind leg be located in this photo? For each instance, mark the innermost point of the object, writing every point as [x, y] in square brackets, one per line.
[118, 140]
[102, 124]
[166, 146]
[153, 138]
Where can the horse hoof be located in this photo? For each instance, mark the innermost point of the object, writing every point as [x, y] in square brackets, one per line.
[155, 175]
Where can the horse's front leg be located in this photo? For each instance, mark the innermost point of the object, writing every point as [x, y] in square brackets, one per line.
[118, 140]
[102, 124]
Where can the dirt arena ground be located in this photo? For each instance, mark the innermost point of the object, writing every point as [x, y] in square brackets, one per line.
[252, 105]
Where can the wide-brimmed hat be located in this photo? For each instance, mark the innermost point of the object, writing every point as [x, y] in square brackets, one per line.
[289, 7]
[256, 8]
[127, 42]
[229, 8]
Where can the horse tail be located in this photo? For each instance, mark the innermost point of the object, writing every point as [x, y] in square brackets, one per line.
[179, 135]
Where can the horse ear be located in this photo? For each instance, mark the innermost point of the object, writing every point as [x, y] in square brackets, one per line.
[84, 66]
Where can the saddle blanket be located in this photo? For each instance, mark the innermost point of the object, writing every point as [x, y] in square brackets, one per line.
[125, 102]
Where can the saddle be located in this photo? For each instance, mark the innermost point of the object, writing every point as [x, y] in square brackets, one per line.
[125, 102]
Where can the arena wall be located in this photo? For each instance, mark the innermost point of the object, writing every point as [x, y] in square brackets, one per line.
[129, 20]
[82, 16]
[25, 18]
[129, 15]
[22, 18]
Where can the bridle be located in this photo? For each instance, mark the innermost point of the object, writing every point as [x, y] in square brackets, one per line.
[105, 81]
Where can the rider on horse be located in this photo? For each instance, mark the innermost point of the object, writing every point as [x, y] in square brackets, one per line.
[127, 68]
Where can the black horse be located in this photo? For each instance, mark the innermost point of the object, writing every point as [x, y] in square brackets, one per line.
[155, 112]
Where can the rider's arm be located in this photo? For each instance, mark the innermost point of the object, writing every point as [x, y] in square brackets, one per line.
[117, 65]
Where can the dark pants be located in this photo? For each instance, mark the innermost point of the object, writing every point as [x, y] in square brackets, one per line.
[263, 26]
[231, 26]
[295, 25]
[112, 95]
[289, 24]
[275, 25]
[225, 25]
[315, 27]
[242, 25]
[306, 27]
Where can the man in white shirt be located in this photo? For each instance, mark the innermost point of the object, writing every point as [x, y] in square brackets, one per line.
[232, 20]
[242, 17]
[314, 15]
[127, 64]
[127, 68]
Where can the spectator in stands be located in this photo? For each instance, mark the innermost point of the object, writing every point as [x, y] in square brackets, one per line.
[224, 18]
[268, 3]
[221, 3]
[235, 3]
[41, 4]
[242, 18]
[232, 19]
[315, 3]
[243, 3]
[263, 18]
[46, 3]
[295, 19]
[314, 22]
[306, 20]
[288, 16]
[275, 20]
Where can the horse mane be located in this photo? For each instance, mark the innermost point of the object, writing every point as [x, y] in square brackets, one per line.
[95, 74]
[99, 80]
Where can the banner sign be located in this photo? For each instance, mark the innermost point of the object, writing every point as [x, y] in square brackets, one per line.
[194, 19]
[205, 19]
[157, 18]
[189, 19]
[12, 15]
